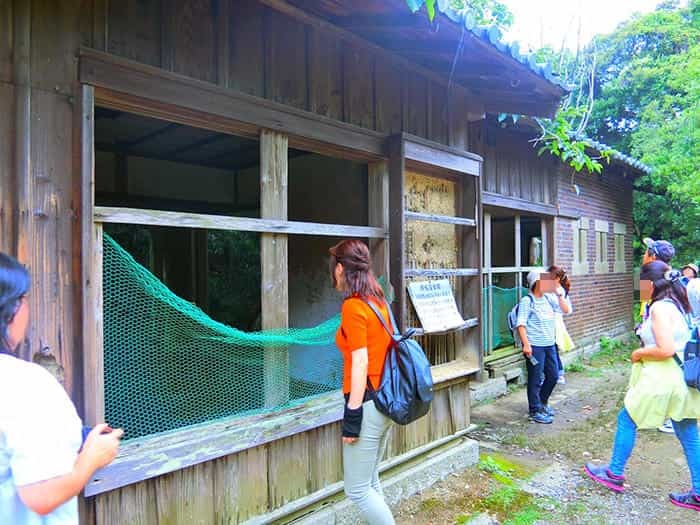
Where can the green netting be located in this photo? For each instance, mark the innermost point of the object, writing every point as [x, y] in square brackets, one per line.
[169, 365]
[503, 299]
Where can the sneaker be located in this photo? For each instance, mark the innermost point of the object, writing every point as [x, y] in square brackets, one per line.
[601, 474]
[687, 500]
[667, 427]
[549, 411]
[541, 417]
[561, 380]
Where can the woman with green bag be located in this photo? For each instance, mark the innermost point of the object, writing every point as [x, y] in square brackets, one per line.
[564, 342]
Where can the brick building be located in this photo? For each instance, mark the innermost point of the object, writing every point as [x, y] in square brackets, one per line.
[537, 212]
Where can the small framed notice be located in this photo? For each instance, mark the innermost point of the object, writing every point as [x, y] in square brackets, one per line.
[435, 305]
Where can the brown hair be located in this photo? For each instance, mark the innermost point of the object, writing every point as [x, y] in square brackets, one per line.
[667, 284]
[353, 255]
[560, 274]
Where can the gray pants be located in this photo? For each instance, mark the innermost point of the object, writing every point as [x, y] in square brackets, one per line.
[361, 466]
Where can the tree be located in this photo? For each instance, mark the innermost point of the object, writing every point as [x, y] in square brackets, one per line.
[647, 93]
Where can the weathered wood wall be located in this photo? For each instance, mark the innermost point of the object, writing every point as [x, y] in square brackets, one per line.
[511, 166]
[246, 46]
[237, 487]
[237, 44]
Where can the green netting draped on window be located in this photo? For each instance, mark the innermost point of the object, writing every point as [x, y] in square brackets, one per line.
[503, 299]
[168, 365]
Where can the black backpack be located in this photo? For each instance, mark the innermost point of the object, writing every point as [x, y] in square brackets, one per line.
[406, 387]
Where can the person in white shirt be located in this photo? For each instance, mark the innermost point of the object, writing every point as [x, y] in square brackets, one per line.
[42, 465]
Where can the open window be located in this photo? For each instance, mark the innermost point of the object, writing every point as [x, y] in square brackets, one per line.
[206, 238]
[514, 244]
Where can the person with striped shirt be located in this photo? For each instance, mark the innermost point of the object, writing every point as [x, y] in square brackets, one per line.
[536, 328]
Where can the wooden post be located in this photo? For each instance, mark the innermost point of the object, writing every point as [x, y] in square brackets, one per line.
[91, 269]
[378, 202]
[487, 266]
[397, 250]
[274, 262]
[470, 345]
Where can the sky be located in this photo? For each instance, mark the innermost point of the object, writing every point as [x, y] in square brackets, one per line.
[556, 20]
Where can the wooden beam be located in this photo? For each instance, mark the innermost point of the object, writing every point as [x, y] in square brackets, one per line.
[381, 22]
[153, 456]
[91, 270]
[468, 323]
[397, 248]
[219, 222]
[130, 86]
[274, 262]
[444, 219]
[442, 157]
[512, 203]
[378, 209]
[471, 341]
[442, 272]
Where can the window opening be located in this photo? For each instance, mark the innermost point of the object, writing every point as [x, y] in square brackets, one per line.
[182, 306]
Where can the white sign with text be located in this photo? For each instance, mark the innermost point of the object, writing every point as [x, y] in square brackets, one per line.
[435, 305]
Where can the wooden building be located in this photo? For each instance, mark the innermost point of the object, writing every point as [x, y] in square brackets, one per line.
[294, 123]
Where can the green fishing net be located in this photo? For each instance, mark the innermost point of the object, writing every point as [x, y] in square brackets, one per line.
[168, 365]
[503, 299]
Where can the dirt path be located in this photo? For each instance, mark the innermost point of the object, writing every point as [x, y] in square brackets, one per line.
[532, 473]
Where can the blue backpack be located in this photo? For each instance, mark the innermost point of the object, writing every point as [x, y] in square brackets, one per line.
[406, 387]
[691, 359]
[512, 319]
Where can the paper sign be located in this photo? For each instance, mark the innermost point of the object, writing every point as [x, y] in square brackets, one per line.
[435, 305]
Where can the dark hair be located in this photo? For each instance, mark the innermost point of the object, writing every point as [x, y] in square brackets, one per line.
[667, 284]
[353, 255]
[560, 273]
[14, 284]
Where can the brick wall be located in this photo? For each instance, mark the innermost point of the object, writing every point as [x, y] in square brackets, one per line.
[603, 302]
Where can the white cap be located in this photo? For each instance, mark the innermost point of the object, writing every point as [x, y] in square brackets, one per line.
[534, 276]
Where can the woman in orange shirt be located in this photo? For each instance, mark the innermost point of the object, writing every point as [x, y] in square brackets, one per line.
[363, 342]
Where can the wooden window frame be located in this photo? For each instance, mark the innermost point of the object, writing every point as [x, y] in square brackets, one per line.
[121, 84]
[620, 232]
[579, 228]
[602, 230]
[488, 271]
[435, 160]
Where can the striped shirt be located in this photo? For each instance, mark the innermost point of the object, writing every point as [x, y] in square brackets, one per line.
[537, 316]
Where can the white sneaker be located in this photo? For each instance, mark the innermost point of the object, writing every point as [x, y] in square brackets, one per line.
[561, 380]
[667, 427]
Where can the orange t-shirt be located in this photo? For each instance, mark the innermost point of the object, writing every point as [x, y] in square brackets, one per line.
[360, 328]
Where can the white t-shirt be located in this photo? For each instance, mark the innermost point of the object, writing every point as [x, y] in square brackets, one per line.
[40, 435]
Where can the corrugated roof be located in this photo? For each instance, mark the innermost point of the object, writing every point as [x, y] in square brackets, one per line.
[492, 35]
[617, 155]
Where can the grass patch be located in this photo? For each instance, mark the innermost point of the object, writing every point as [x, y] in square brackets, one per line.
[613, 352]
[576, 367]
[519, 440]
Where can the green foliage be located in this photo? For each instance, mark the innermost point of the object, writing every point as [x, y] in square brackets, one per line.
[648, 103]
[576, 367]
[559, 139]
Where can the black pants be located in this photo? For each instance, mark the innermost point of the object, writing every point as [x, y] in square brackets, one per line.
[538, 391]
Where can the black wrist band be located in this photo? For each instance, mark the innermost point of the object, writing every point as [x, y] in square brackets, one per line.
[352, 421]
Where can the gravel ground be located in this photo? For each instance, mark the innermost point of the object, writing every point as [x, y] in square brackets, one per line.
[552, 487]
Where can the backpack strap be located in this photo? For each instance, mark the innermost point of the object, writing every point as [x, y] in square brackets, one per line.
[379, 315]
[678, 360]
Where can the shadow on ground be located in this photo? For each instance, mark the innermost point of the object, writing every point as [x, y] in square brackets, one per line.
[532, 474]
